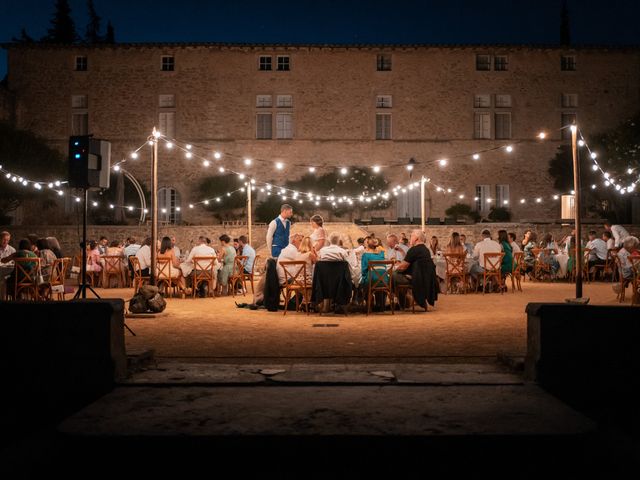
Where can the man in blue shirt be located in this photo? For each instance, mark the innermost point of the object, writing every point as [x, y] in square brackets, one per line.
[247, 251]
[279, 231]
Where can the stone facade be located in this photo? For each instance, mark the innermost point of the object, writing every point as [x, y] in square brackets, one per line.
[334, 91]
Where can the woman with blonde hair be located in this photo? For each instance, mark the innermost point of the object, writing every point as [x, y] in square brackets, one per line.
[307, 254]
[318, 235]
[455, 244]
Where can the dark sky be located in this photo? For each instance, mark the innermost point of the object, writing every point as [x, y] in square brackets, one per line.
[339, 21]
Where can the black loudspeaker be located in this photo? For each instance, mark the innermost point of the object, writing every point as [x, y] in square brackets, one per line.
[89, 162]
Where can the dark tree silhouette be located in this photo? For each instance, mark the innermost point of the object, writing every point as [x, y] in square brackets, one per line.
[565, 27]
[110, 37]
[62, 29]
[23, 38]
[92, 33]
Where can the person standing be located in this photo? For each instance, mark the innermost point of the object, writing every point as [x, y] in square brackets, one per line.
[279, 230]
[619, 233]
[226, 256]
[318, 236]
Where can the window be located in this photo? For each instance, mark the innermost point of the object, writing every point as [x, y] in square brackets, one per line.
[503, 101]
[503, 126]
[263, 126]
[284, 64]
[78, 101]
[383, 62]
[483, 198]
[263, 101]
[167, 101]
[482, 101]
[80, 123]
[500, 63]
[284, 125]
[569, 100]
[284, 101]
[483, 63]
[169, 205]
[81, 64]
[168, 63]
[566, 120]
[568, 63]
[482, 125]
[502, 196]
[264, 63]
[167, 124]
[383, 126]
[383, 101]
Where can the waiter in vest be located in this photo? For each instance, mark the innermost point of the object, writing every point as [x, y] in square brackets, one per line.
[278, 232]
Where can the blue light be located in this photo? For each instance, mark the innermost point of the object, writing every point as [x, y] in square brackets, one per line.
[76, 143]
[77, 155]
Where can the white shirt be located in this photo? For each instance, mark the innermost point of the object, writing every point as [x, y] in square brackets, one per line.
[611, 243]
[515, 248]
[272, 230]
[396, 253]
[201, 250]
[144, 255]
[485, 246]
[6, 251]
[332, 253]
[176, 251]
[288, 254]
[354, 266]
[131, 249]
[619, 233]
[598, 249]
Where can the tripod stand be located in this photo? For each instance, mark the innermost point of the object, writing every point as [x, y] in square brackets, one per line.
[82, 289]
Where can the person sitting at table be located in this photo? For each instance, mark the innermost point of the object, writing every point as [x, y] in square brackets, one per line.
[608, 238]
[418, 269]
[25, 250]
[176, 249]
[247, 250]
[404, 240]
[434, 246]
[6, 249]
[507, 260]
[549, 252]
[94, 262]
[371, 253]
[395, 250]
[202, 249]
[307, 254]
[54, 246]
[354, 264]
[333, 252]
[630, 249]
[468, 246]
[486, 245]
[144, 257]
[318, 235]
[103, 244]
[598, 253]
[515, 248]
[226, 256]
[528, 244]
[132, 248]
[47, 258]
[455, 245]
[114, 249]
[167, 253]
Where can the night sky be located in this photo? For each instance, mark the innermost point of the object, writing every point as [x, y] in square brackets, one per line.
[338, 21]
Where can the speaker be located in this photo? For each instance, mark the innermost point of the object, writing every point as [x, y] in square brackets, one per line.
[89, 162]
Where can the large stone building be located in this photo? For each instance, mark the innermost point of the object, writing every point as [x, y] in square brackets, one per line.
[333, 106]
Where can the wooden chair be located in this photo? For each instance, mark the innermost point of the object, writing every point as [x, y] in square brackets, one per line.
[56, 279]
[382, 270]
[401, 291]
[237, 275]
[296, 283]
[25, 278]
[163, 277]
[585, 264]
[204, 272]
[621, 295]
[138, 278]
[455, 269]
[112, 268]
[249, 277]
[492, 264]
[516, 271]
[541, 267]
[635, 283]
[608, 267]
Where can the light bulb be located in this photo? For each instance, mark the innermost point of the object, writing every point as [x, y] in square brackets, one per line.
[188, 155]
[594, 155]
[247, 161]
[279, 165]
[217, 155]
[376, 169]
[134, 155]
[443, 162]
[205, 163]
[169, 145]
[343, 171]
[476, 156]
[594, 168]
[189, 147]
[312, 169]
[542, 135]
[116, 168]
[509, 148]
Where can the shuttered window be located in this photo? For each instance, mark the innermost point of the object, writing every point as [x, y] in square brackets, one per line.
[263, 126]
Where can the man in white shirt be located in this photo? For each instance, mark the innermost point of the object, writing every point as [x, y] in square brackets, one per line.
[131, 249]
[599, 251]
[288, 254]
[485, 246]
[608, 239]
[5, 248]
[247, 251]
[467, 245]
[144, 257]
[333, 252]
[278, 231]
[200, 250]
[395, 250]
[619, 233]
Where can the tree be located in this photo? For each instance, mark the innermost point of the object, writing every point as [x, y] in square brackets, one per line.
[62, 29]
[92, 33]
[23, 38]
[565, 26]
[110, 37]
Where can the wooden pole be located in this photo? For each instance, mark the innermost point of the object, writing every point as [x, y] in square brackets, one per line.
[154, 208]
[423, 206]
[577, 198]
[249, 216]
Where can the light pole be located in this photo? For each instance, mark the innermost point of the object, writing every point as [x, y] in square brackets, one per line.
[154, 204]
[577, 198]
[423, 207]
[249, 216]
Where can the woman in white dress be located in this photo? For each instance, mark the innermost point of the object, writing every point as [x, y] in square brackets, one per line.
[318, 235]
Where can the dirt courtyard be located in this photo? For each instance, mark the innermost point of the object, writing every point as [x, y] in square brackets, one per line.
[473, 325]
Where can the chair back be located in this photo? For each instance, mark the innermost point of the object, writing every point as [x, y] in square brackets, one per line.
[382, 270]
[26, 277]
[203, 267]
[518, 258]
[492, 262]
[255, 264]
[455, 264]
[135, 265]
[59, 271]
[163, 267]
[635, 265]
[112, 264]
[238, 264]
[295, 274]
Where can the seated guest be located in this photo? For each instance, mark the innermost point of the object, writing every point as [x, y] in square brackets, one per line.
[200, 250]
[566, 244]
[528, 234]
[33, 240]
[515, 248]
[103, 244]
[599, 251]
[354, 265]
[434, 246]
[144, 256]
[167, 253]
[47, 258]
[404, 239]
[549, 252]
[114, 249]
[468, 246]
[24, 251]
[94, 262]
[485, 246]
[226, 256]
[54, 246]
[455, 245]
[360, 248]
[618, 232]
[333, 252]
[5, 249]
[318, 236]
[371, 253]
[247, 250]
[608, 238]
[630, 249]
[307, 254]
[132, 248]
[289, 254]
[236, 246]
[528, 244]
[176, 249]
[395, 250]
[507, 260]
[418, 269]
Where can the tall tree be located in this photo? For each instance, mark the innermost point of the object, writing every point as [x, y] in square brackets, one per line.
[23, 38]
[565, 26]
[62, 29]
[110, 37]
[92, 34]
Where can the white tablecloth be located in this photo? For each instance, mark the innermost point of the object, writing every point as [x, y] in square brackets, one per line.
[441, 265]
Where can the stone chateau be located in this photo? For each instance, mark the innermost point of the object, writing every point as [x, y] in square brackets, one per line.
[331, 106]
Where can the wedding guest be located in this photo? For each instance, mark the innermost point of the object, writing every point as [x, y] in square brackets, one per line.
[237, 247]
[619, 233]
[468, 246]
[226, 256]
[434, 246]
[599, 251]
[486, 245]
[25, 250]
[94, 263]
[528, 244]
[404, 239]
[630, 249]
[515, 248]
[167, 253]
[103, 244]
[455, 245]
[608, 238]
[47, 258]
[418, 270]
[176, 249]
[333, 252]
[507, 260]
[114, 249]
[307, 254]
[370, 254]
[144, 256]
[248, 251]
[5, 248]
[395, 250]
[278, 231]
[549, 252]
[288, 254]
[132, 248]
[190, 265]
[318, 234]
[54, 246]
